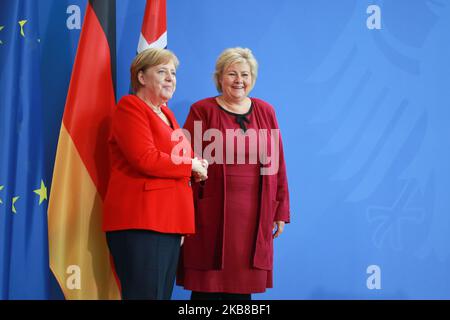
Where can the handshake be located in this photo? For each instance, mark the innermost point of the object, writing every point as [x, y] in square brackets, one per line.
[199, 169]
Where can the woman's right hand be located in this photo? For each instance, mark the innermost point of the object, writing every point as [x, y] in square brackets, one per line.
[199, 168]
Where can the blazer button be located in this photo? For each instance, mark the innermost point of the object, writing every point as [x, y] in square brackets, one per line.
[189, 183]
[184, 152]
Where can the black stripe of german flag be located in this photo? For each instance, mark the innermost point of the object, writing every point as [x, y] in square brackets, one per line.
[105, 10]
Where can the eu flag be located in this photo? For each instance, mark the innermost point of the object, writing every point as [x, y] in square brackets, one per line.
[24, 271]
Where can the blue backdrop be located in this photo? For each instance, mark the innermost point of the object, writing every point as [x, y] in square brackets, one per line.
[361, 94]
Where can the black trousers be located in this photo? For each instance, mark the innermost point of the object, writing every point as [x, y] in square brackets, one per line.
[196, 295]
[145, 262]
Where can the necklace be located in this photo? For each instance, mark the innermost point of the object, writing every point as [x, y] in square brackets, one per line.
[158, 111]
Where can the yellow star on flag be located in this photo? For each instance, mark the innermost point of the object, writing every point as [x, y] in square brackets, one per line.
[21, 24]
[42, 192]
[1, 188]
[14, 200]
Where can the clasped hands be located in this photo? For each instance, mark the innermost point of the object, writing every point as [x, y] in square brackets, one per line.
[199, 169]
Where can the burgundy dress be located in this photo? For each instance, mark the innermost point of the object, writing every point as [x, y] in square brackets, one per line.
[241, 217]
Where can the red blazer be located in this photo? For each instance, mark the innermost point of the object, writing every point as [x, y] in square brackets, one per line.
[204, 250]
[147, 190]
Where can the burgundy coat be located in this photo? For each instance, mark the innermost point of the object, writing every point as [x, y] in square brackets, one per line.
[204, 250]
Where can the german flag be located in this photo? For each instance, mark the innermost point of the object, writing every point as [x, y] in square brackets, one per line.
[79, 256]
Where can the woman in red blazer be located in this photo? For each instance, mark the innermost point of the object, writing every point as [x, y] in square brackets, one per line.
[148, 205]
[244, 204]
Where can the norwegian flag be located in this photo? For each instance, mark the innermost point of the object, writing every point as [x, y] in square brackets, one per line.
[154, 26]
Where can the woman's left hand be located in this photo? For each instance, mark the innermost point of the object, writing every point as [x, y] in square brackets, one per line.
[279, 226]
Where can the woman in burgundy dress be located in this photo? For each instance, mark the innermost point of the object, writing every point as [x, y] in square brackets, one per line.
[244, 204]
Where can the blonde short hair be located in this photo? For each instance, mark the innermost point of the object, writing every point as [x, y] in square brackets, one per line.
[149, 58]
[233, 55]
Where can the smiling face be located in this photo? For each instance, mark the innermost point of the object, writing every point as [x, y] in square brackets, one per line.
[236, 81]
[158, 82]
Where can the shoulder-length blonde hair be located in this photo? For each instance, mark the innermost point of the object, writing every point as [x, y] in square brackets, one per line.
[147, 59]
[233, 55]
